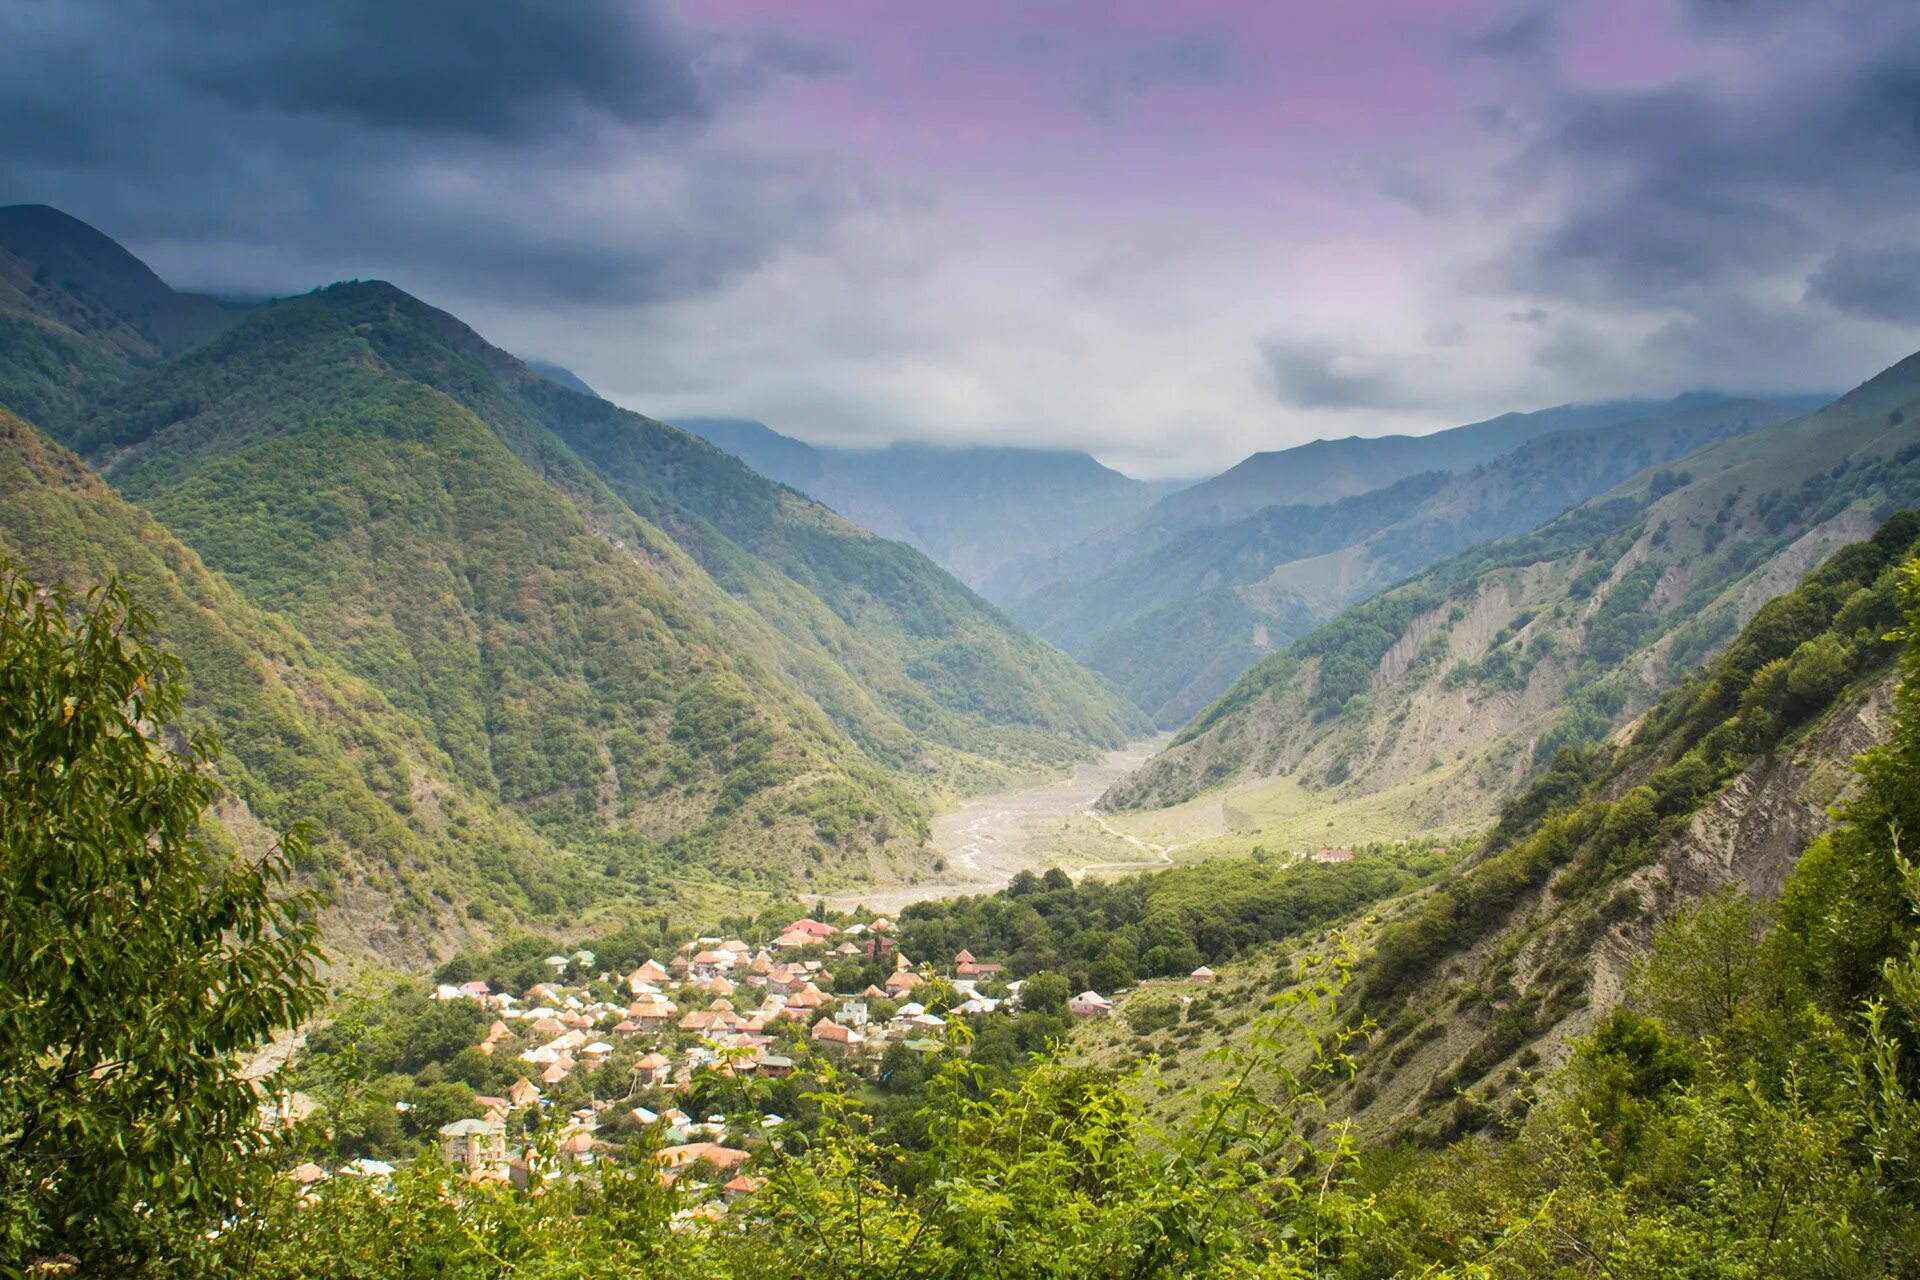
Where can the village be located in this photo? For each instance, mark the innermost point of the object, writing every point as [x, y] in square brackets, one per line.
[608, 1065]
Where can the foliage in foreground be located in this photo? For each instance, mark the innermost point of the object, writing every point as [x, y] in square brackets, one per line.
[141, 964]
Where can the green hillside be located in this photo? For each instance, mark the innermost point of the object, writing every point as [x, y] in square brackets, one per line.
[1436, 698]
[1491, 974]
[1175, 626]
[413, 858]
[664, 674]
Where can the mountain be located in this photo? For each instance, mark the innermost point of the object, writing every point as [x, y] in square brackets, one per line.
[53, 262]
[978, 511]
[1492, 970]
[562, 375]
[410, 855]
[1728, 782]
[1432, 700]
[657, 663]
[1174, 626]
[1315, 474]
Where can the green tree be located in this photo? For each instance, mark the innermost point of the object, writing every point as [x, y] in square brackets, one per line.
[1045, 993]
[143, 963]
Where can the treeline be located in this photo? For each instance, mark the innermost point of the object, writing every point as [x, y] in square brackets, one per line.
[1105, 935]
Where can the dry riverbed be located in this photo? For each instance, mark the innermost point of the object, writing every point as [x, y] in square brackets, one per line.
[990, 838]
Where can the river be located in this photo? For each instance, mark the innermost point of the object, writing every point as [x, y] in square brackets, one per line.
[988, 839]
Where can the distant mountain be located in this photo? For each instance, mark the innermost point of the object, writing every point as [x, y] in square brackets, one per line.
[976, 510]
[661, 670]
[1175, 625]
[1439, 696]
[54, 265]
[1325, 471]
[562, 375]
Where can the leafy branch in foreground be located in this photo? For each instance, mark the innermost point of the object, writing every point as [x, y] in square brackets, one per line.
[142, 966]
[1061, 1175]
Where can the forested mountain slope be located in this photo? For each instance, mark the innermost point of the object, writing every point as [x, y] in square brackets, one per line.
[412, 857]
[1174, 627]
[1489, 976]
[653, 660]
[982, 512]
[1727, 784]
[1456, 687]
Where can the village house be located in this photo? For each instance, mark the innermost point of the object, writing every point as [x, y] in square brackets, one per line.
[1333, 855]
[676, 1160]
[829, 1034]
[1202, 974]
[1089, 1004]
[474, 1145]
[653, 1069]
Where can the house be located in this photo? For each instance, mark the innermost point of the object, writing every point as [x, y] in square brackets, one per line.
[774, 1066]
[828, 1033]
[903, 981]
[307, 1174]
[652, 1014]
[653, 1069]
[846, 949]
[741, 1185]
[974, 969]
[651, 973]
[1333, 855]
[851, 1013]
[523, 1093]
[1089, 1004]
[1202, 974]
[474, 1144]
[965, 957]
[580, 1147]
[677, 1159]
[812, 928]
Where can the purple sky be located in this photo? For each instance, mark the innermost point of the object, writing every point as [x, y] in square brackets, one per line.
[1170, 234]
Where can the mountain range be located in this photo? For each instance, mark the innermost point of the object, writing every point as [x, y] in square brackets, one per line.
[982, 512]
[1441, 695]
[1176, 619]
[431, 596]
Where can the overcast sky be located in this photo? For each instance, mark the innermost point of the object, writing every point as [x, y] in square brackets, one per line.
[1170, 234]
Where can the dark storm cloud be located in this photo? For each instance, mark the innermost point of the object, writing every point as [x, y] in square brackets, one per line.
[1711, 201]
[1874, 284]
[1307, 375]
[489, 68]
[502, 147]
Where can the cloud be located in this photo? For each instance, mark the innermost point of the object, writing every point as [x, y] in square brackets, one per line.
[1417, 191]
[1526, 33]
[469, 147]
[1314, 375]
[1188, 60]
[1873, 284]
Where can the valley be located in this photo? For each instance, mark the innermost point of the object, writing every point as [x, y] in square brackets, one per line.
[988, 839]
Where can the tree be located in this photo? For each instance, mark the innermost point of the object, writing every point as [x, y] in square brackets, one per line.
[1044, 993]
[142, 962]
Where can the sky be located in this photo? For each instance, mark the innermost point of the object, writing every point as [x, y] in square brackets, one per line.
[1170, 234]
